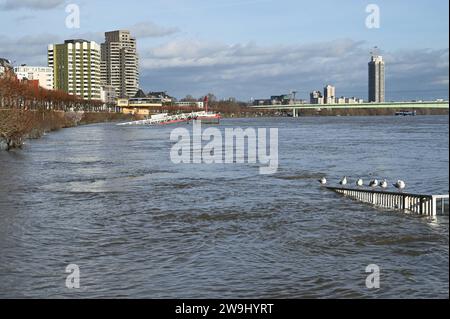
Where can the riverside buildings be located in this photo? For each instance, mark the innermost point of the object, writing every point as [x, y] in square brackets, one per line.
[76, 68]
[96, 72]
[329, 97]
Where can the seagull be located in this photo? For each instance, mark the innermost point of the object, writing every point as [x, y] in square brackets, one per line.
[344, 181]
[384, 184]
[323, 181]
[360, 182]
[401, 185]
[374, 183]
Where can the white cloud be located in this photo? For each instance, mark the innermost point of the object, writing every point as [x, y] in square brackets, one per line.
[246, 70]
[30, 4]
[140, 31]
[193, 53]
[28, 49]
[151, 30]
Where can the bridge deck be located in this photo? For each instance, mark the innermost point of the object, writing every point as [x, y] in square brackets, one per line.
[393, 105]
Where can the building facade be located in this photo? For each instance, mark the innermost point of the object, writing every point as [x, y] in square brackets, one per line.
[262, 102]
[165, 98]
[329, 96]
[44, 75]
[340, 100]
[284, 99]
[377, 80]
[5, 67]
[316, 97]
[120, 63]
[108, 95]
[139, 106]
[198, 105]
[76, 68]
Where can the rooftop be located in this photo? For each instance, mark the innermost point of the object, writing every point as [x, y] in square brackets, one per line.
[73, 41]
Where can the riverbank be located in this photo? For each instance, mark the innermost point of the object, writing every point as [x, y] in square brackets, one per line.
[333, 112]
[370, 112]
[19, 125]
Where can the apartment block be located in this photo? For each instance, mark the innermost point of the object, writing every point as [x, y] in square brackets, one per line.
[36, 73]
[76, 68]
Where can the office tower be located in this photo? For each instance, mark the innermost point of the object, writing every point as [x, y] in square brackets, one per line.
[376, 79]
[329, 95]
[76, 68]
[120, 63]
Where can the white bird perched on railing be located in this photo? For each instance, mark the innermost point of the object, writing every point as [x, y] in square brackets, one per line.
[401, 185]
[374, 183]
[384, 184]
[360, 182]
[323, 181]
[344, 181]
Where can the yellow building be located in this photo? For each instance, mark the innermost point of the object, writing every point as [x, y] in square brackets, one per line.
[139, 106]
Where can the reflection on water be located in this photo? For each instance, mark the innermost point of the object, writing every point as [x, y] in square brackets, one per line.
[108, 199]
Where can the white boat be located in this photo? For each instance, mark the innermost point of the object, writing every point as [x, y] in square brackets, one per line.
[166, 119]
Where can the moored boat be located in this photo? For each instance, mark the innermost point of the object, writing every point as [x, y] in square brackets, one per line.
[406, 113]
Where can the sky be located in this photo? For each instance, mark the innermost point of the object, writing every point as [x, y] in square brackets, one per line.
[251, 49]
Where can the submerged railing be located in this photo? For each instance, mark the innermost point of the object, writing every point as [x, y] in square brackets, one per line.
[429, 205]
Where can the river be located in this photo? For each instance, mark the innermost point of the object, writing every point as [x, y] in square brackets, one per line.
[108, 199]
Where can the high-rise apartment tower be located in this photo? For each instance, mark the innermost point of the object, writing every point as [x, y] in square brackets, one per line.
[329, 94]
[76, 68]
[120, 63]
[376, 79]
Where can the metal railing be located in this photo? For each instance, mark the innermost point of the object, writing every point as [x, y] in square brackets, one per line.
[420, 204]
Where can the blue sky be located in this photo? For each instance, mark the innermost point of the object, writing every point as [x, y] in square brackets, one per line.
[251, 48]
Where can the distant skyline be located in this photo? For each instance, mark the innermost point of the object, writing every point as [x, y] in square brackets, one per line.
[251, 48]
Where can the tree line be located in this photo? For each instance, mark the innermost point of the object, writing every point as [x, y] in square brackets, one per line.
[21, 95]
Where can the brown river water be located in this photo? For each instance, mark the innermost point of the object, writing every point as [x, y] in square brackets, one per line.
[108, 199]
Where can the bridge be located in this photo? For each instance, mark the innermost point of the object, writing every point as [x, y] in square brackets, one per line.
[295, 108]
